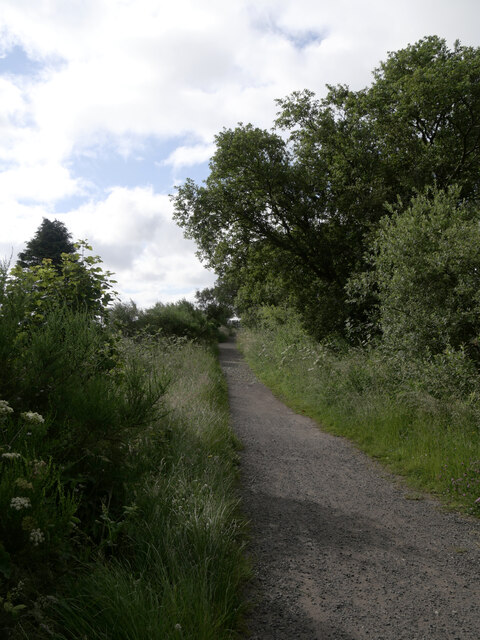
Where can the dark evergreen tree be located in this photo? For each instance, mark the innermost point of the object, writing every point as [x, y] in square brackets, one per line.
[50, 241]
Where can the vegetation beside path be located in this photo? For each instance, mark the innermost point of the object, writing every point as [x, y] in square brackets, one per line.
[180, 567]
[117, 467]
[415, 417]
[347, 239]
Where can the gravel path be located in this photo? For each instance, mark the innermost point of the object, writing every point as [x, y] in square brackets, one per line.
[341, 550]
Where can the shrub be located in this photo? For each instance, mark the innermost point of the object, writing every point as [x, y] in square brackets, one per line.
[76, 404]
[179, 319]
[426, 273]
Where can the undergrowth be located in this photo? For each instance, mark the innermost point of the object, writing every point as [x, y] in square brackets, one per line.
[117, 473]
[117, 469]
[179, 567]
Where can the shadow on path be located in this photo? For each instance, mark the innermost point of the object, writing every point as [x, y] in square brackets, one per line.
[339, 552]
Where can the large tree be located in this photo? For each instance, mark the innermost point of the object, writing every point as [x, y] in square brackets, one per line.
[50, 240]
[300, 202]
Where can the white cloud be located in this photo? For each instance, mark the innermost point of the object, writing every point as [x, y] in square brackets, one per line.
[187, 156]
[148, 68]
[121, 71]
[133, 231]
[41, 183]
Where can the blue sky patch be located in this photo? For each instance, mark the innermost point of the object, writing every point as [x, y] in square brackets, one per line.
[17, 62]
[103, 167]
[300, 39]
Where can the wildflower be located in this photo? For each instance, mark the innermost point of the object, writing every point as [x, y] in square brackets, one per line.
[11, 455]
[5, 409]
[19, 503]
[477, 501]
[23, 484]
[36, 537]
[39, 467]
[32, 417]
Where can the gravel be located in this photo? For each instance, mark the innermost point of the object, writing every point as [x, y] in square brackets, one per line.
[342, 549]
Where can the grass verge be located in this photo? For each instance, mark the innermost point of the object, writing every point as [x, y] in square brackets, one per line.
[431, 438]
[177, 568]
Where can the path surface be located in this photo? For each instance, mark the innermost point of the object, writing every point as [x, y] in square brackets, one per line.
[340, 551]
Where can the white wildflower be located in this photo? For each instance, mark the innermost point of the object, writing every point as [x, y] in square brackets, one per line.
[32, 417]
[36, 537]
[11, 455]
[5, 408]
[19, 503]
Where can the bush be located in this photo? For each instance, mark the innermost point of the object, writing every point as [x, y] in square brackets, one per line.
[180, 319]
[426, 273]
[76, 406]
[106, 493]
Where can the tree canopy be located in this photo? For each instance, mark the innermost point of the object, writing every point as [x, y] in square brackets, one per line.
[50, 240]
[290, 212]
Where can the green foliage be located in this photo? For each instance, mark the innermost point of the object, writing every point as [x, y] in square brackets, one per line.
[76, 405]
[95, 467]
[179, 569]
[425, 270]
[50, 241]
[429, 134]
[38, 512]
[123, 316]
[179, 319]
[216, 303]
[77, 282]
[293, 209]
[258, 219]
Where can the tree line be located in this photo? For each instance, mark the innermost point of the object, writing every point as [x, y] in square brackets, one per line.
[359, 210]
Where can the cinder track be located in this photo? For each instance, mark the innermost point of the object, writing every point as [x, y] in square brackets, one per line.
[339, 548]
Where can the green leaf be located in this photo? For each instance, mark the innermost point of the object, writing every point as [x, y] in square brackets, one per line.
[5, 565]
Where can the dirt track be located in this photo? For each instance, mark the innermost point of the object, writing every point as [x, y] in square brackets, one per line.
[340, 549]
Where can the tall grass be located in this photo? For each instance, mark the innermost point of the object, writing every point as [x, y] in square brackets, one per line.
[421, 419]
[179, 569]
[117, 484]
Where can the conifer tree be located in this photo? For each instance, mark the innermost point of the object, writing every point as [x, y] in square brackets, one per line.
[50, 241]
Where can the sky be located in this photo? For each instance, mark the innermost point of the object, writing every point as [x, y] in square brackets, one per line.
[107, 105]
